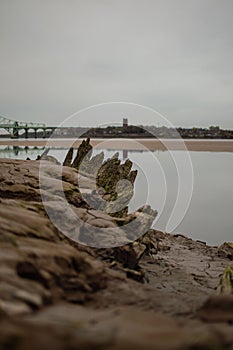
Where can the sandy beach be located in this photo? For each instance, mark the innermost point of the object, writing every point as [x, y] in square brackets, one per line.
[130, 144]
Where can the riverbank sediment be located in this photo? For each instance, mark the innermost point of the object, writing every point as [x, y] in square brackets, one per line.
[130, 144]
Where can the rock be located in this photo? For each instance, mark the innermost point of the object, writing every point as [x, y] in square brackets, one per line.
[121, 328]
[38, 265]
[217, 309]
[226, 250]
[129, 255]
[51, 159]
[33, 300]
[13, 309]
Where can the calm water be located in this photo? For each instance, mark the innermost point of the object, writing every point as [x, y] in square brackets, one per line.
[210, 214]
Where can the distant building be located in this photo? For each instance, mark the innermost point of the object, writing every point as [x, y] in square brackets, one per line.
[125, 123]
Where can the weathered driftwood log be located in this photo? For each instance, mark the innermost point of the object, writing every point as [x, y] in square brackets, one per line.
[112, 181]
[107, 186]
[84, 150]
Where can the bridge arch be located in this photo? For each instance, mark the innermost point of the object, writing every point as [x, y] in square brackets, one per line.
[17, 128]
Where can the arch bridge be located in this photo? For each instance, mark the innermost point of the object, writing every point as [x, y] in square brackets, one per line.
[14, 127]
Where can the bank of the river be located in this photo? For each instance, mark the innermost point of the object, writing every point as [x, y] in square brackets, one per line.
[214, 145]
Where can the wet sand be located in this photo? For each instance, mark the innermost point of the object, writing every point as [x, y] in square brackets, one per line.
[130, 144]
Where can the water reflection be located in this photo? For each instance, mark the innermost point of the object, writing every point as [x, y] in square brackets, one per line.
[20, 152]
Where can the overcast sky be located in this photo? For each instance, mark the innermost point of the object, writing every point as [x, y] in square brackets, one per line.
[175, 56]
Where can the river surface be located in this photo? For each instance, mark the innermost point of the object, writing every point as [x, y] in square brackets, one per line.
[209, 215]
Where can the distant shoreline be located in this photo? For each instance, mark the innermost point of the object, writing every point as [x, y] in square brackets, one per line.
[209, 145]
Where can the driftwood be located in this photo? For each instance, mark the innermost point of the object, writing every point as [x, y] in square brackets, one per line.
[112, 181]
[108, 186]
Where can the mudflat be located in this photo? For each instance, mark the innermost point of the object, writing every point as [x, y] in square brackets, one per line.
[208, 145]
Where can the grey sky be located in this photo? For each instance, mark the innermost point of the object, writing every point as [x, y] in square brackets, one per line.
[175, 56]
